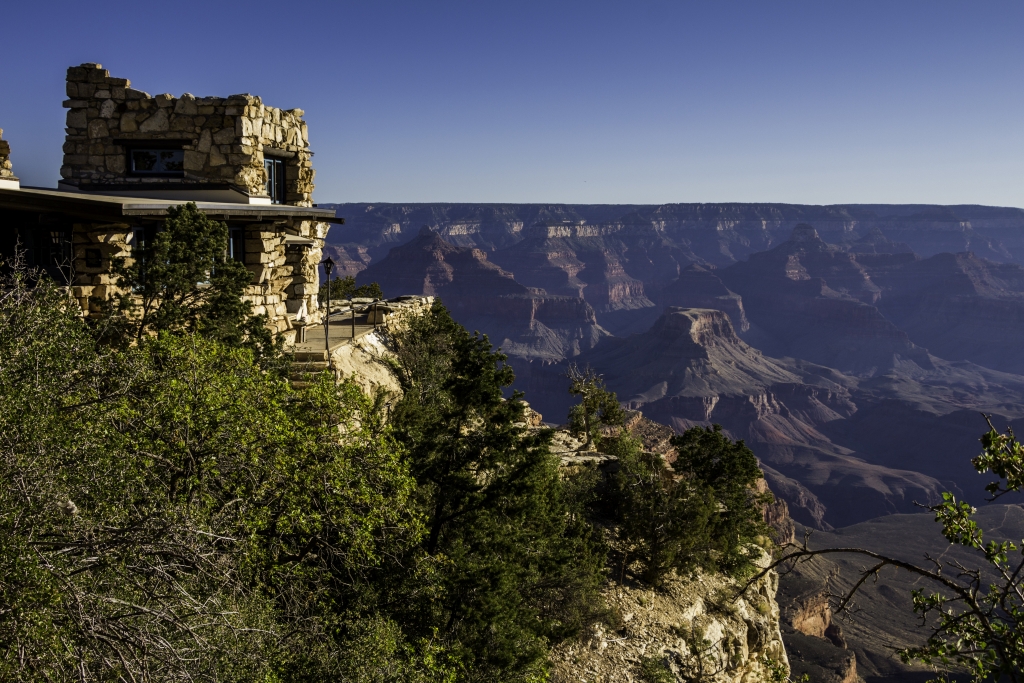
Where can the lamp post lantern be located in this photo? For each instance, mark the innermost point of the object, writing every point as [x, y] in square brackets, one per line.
[328, 267]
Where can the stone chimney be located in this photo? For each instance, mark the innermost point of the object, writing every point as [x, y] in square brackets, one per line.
[8, 181]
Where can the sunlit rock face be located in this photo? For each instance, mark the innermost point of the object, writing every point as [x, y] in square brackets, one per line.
[523, 321]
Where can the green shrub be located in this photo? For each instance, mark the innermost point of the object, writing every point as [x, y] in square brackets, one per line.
[654, 670]
[701, 513]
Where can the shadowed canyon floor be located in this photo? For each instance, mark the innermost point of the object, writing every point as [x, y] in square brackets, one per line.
[856, 369]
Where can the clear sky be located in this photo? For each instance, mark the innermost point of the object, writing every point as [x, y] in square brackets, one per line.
[585, 102]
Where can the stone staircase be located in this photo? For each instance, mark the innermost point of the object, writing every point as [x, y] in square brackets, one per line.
[305, 364]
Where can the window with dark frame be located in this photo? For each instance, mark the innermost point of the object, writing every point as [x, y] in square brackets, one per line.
[60, 246]
[236, 244]
[155, 161]
[275, 179]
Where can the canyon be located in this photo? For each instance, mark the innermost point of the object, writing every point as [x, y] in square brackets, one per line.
[854, 348]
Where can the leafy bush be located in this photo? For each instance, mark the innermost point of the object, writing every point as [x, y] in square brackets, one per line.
[654, 670]
[170, 511]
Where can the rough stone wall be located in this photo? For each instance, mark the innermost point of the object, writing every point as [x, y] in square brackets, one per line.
[398, 312]
[93, 281]
[284, 278]
[224, 137]
[6, 169]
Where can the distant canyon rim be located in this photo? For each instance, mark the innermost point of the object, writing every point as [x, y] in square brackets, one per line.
[853, 347]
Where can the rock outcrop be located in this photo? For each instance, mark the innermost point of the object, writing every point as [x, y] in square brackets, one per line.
[699, 287]
[685, 624]
[815, 301]
[482, 296]
[961, 306]
[691, 368]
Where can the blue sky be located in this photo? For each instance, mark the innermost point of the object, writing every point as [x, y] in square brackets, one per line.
[589, 102]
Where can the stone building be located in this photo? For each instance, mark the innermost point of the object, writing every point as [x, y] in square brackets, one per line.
[7, 178]
[129, 156]
[235, 149]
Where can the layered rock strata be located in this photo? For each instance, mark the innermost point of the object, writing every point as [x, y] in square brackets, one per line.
[815, 301]
[691, 369]
[720, 234]
[482, 296]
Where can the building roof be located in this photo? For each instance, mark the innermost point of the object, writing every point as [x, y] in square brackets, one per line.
[123, 209]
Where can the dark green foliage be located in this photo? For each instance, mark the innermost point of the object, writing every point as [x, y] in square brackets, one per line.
[516, 567]
[664, 519]
[173, 512]
[345, 288]
[597, 408]
[182, 281]
[710, 461]
[700, 513]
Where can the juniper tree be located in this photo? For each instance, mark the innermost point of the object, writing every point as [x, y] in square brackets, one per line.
[513, 569]
[181, 280]
[598, 407]
[702, 512]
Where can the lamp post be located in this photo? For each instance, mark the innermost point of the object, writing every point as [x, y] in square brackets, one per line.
[328, 267]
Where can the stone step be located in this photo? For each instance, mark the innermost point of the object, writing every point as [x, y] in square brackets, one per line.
[309, 356]
[315, 365]
[301, 370]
